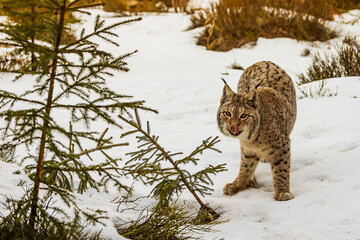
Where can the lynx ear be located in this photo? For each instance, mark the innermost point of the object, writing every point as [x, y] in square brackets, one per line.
[250, 99]
[227, 93]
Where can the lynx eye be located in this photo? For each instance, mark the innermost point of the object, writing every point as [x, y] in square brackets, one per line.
[228, 114]
[244, 116]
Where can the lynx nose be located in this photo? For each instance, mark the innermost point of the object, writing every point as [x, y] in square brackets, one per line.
[235, 129]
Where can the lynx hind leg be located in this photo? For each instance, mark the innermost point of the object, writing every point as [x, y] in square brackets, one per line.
[280, 166]
[246, 176]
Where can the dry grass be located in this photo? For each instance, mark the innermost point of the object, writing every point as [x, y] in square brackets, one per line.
[236, 66]
[233, 23]
[317, 91]
[116, 6]
[9, 62]
[344, 5]
[344, 62]
[180, 5]
[200, 19]
[324, 9]
[120, 6]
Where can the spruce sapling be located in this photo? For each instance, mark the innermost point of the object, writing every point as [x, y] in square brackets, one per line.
[60, 155]
[147, 164]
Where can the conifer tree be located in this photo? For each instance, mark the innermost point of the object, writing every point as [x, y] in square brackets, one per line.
[66, 157]
[73, 80]
[154, 165]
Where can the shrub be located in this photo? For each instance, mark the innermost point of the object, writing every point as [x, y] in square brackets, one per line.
[144, 5]
[234, 23]
[199, 19]
[324, 9]
[344, 62]
[319, 8]
[136, 6]
[179, 5]
[116, 6]
[10, 62]
[347, 4]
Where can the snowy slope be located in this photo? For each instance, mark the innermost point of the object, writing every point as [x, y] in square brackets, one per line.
[182, 81]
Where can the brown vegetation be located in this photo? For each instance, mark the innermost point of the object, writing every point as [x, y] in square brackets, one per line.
[233, 23]
[344, 62]
[12, 62]
[116, 6]
[145, 5]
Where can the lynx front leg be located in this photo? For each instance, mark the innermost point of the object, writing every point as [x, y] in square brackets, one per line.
[280, 166]
[246, 176]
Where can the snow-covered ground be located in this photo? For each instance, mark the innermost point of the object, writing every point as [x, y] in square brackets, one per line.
[182, 81]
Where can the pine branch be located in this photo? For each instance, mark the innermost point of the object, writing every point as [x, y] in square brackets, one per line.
[94, 106]
[101, 148]
[97, 31]
[8, 95]
[167, 186]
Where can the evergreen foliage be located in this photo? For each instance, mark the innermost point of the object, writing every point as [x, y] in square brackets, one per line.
[30, 20]
[73, 80]
[62, 157]
[154, 165]
[172, 222]
[15, 225]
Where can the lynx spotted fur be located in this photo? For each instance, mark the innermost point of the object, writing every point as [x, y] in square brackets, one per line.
[261, 115]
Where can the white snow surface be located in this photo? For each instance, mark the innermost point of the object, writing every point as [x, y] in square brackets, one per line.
[182, 81]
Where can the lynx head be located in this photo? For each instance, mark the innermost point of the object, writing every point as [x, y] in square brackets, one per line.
[238, 116]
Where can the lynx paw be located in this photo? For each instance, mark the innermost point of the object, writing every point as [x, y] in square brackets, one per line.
[283, 196]
[231, 189]
[237, 186]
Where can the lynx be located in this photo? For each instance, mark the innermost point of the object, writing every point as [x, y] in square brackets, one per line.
[261, 115]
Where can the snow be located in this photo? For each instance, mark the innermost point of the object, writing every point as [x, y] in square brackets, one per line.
[182, 81]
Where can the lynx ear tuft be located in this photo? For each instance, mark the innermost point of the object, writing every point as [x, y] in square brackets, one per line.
[250, 99]
[227, 93]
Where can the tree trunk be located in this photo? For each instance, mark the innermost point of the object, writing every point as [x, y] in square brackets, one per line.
[32, 36]
[39, 168]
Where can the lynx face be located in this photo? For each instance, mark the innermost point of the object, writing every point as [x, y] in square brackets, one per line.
[238, 116]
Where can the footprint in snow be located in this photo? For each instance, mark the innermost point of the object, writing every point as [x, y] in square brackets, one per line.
[348, 147]
[320, 178]
[314, 132]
